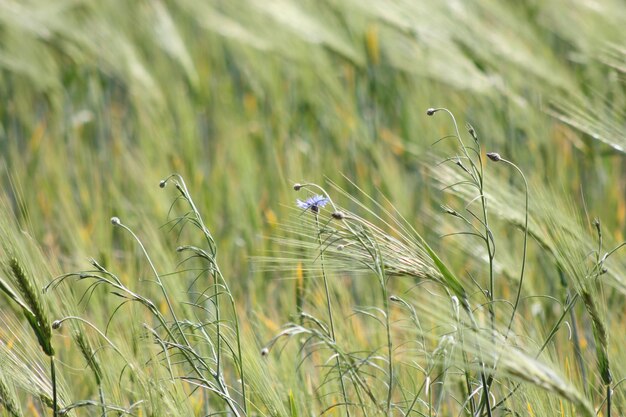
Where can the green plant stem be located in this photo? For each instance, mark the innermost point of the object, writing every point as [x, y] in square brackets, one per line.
[217, 376]
[380, 271]
[383, 284]
[478, 178]
[466, 372]
[552, 333]
[486, 393]
[523, 268]
[475, 329]
[53, 377]
[491, 253]
[199, 222]
[430, 400]
[577, 350]
[521, 278]
[608, 400]
[330, 314]
[375, 253]
[101, 394]
[357, 380]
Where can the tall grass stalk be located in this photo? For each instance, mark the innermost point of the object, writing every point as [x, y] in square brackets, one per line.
[476, 174]
[315, 211]
[477, 179]
[190, 355]
[178, 331]
[330, 314]
[497, 158]
[219, 280]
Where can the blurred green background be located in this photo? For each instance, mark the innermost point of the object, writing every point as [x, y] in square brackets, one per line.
[102, 99]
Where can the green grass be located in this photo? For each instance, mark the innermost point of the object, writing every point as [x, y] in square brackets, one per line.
[102, 100]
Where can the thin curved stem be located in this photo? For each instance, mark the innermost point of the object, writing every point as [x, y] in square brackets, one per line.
[521, 278]
[330, 314]
[216, 375]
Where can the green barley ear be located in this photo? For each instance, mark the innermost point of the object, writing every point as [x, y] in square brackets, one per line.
[88, 353]
[568, 243]
[8, 399]
[35, 313]
[600, 335]
[46, 400]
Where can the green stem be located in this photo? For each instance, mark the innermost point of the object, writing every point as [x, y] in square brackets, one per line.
[492, 311]
[389, 343]
[478, 178]
[521, 278]
[330, 313]
[212, 246]
[577, 350]
[553, 332]
[53, 375]
[104, 407]
[486, 393]
[217, 375]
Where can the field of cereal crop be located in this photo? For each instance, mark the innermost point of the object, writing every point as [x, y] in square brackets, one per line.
[284, 208]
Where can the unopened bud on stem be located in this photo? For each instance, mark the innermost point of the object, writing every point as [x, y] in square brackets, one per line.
[494, 156]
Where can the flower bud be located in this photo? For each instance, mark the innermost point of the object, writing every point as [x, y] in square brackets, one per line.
[449, 210]
[494, 156]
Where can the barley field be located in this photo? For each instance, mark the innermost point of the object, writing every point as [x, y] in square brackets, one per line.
[283, 208]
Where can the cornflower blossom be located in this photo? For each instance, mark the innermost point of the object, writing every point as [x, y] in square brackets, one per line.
[313, 203]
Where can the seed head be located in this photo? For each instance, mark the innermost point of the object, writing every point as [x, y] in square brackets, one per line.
[472, 132]
[265, 351]
[56, 324]
[431, 111]
[297, 186]
[162, 183]
[115, 221]
[449, 210]
[494, 156]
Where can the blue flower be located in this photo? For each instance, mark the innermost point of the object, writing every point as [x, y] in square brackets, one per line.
[313, 203]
